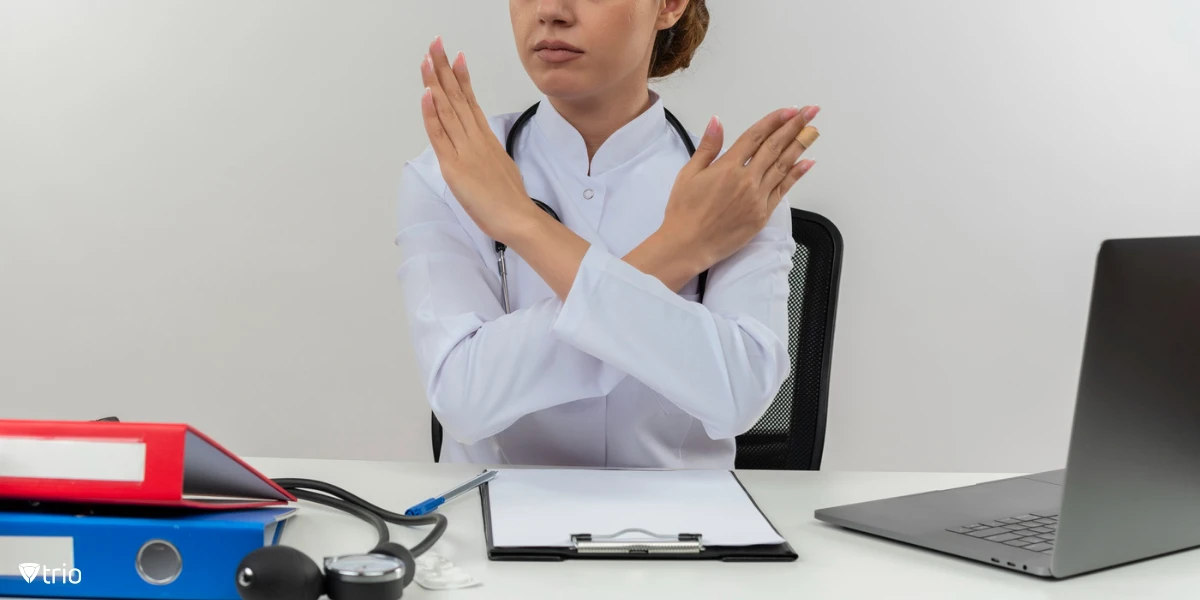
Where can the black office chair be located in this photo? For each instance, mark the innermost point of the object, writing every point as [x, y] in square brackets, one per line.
[791, 434]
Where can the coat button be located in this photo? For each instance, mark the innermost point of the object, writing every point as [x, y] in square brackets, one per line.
[588, 194]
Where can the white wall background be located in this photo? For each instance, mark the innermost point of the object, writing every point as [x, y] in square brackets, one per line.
[196, 204]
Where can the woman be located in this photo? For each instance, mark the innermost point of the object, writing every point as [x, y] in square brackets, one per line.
[604, 356]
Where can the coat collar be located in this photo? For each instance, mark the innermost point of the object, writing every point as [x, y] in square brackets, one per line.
[565, 141]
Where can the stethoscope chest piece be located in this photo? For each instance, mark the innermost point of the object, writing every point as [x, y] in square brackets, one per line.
[365, 577]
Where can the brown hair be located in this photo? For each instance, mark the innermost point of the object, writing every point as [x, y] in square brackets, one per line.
[674, 47]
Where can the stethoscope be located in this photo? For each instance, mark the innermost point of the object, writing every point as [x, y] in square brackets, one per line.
[510, 145]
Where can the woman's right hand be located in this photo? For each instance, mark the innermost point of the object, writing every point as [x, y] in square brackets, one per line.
[718, 205]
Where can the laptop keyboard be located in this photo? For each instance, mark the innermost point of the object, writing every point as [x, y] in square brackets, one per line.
[1030, 532]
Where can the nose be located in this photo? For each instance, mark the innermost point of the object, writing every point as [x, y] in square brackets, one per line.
[554, 12]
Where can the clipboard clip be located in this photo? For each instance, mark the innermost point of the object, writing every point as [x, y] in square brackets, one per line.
[647, 543]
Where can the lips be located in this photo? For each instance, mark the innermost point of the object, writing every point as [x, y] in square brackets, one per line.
[554, 51]
[555, 45]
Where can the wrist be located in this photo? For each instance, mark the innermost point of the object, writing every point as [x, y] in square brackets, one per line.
[552, 250]
[688, 254]
[670, 256]
[521, 224]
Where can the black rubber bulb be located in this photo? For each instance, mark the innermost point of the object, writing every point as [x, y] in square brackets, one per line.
[402, 553]
[278, 573]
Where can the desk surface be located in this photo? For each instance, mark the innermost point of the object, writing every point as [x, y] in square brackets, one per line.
[834, 563]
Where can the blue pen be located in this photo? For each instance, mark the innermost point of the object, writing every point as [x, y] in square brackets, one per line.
[432, 504]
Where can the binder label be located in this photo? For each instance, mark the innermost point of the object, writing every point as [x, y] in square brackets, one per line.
[83, 460]
[24, 556]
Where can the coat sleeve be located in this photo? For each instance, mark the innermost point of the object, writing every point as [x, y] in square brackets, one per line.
[481, 369]
[722, 361]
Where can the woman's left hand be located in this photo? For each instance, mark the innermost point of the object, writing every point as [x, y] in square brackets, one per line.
[475, 165]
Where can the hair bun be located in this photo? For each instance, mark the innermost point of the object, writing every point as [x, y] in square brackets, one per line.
[675, 47]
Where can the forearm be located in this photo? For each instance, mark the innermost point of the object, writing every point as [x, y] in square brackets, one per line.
[507, 368]
[721, 365]
[555, 252]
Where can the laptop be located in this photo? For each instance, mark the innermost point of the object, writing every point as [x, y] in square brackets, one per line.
[1131, 487]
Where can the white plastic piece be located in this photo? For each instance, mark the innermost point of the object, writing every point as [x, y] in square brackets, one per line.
[436, 572]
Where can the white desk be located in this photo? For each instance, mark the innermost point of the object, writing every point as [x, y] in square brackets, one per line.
[834, 563]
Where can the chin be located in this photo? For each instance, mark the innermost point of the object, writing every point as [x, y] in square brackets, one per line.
[563, 83]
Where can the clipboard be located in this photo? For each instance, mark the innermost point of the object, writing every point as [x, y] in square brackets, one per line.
[636, 544]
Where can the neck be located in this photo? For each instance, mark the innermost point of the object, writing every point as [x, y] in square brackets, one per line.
[597, 117]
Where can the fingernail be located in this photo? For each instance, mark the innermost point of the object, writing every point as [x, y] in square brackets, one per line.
[437, 44]
[427, 94]
[811, 112]
[461, 59]
[714, 126]
[806, 164]
[427, 64]
[790, 112]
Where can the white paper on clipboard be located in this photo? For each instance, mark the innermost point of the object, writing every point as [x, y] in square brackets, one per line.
[545, 507]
